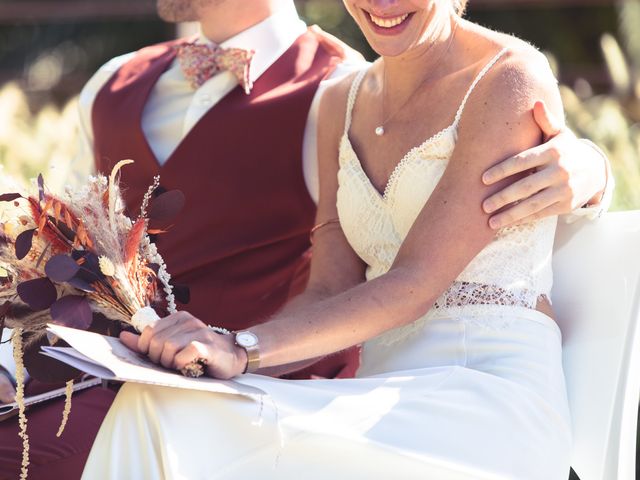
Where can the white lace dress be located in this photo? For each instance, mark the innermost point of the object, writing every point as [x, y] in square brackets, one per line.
[473, 390]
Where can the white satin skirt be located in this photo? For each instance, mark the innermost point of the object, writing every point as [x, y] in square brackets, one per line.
[470, 397]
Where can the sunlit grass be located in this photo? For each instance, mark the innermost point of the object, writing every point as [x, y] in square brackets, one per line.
[46, 142]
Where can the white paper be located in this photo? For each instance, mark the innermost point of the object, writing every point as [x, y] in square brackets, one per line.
[106, 357]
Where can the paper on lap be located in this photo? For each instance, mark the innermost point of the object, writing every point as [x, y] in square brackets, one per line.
[106, 357]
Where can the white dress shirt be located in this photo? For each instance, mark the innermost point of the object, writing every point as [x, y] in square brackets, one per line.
[174, 107]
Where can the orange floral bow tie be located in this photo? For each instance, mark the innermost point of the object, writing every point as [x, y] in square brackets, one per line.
[200, 62]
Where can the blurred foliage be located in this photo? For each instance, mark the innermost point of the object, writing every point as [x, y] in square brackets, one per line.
[46, 142]
[53, 61]
[612, 119]
[44, 66]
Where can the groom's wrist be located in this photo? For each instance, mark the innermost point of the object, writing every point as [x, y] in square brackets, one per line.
[597, 198]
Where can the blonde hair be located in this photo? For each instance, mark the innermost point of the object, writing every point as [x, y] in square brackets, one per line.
[460, 6]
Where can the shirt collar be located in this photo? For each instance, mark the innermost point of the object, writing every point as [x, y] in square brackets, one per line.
[269, 38]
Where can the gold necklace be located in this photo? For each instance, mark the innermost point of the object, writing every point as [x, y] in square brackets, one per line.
[380, 129]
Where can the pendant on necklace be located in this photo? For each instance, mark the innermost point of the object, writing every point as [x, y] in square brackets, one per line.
[380, 131]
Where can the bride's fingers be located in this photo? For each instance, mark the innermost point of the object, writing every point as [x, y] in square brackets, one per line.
[190, 353]
[162, 325]
[172, 346]
[532, 208]
[165, 339]
[130, 340]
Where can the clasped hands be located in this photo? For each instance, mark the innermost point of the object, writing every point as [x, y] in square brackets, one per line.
[179, 339]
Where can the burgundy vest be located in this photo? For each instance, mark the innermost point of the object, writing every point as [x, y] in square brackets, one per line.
[242, 242]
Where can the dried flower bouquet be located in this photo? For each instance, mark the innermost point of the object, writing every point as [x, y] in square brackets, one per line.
[65, 258]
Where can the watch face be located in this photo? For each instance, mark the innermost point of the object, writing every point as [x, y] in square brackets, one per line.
[246, 339]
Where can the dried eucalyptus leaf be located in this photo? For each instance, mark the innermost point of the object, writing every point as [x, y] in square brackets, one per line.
[39, 293]
[72, 311]
[61, 268]
[24, 242]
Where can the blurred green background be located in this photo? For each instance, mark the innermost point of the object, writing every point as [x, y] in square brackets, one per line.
[49, 49]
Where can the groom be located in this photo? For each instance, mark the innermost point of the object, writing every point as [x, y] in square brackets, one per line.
[240, 143]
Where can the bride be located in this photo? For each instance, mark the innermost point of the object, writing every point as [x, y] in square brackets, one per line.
[461, 374]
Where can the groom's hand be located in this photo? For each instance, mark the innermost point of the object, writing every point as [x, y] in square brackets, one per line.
[563, 175]
[7, 392]
[181, 338]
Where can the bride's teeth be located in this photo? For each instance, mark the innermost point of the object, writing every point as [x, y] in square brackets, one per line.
[388, 22]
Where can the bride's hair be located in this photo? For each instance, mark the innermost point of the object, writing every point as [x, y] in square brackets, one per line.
[460, 6]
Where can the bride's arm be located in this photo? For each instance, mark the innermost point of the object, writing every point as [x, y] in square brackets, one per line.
[448, 233]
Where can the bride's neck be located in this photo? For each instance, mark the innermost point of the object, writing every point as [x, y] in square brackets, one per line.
[405, 73]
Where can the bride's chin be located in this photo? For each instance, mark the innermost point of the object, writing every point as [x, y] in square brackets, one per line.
[387, 46]
[391, 49]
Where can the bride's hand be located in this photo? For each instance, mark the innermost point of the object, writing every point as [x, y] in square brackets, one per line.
[179, 339]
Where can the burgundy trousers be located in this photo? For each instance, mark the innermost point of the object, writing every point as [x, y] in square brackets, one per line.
[53, 458]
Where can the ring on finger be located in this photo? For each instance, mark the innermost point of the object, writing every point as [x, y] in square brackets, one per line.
[194, 368]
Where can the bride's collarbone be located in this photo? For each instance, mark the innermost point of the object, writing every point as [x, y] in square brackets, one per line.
[431, 111]
[379, 155]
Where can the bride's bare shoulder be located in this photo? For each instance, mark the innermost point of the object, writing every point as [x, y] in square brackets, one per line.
[519, 77]
[499, 112]
[333, 105]
[522, 63]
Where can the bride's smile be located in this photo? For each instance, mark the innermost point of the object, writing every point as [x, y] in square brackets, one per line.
[390, 25]
[394, 26]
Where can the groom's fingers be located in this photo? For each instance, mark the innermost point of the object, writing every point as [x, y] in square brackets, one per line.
[534, 158]
[551, 210]
[524, 162]
[532, 208]
[517, 191]
[548, 123]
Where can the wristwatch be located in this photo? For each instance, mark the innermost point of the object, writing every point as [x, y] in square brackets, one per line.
[249, 341]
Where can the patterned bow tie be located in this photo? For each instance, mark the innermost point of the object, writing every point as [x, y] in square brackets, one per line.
[200, 62]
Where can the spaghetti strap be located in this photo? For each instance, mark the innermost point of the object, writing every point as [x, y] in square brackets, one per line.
[351, 99]
[482, 73]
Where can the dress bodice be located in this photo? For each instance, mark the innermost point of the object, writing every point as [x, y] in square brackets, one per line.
[513, 270]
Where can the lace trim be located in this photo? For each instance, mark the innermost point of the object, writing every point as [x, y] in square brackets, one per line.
[461, 294]
[471, 301]
[419, 152]
[351, 99]
[479, 77]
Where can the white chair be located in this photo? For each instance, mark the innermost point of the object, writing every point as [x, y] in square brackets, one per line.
[596, 296]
